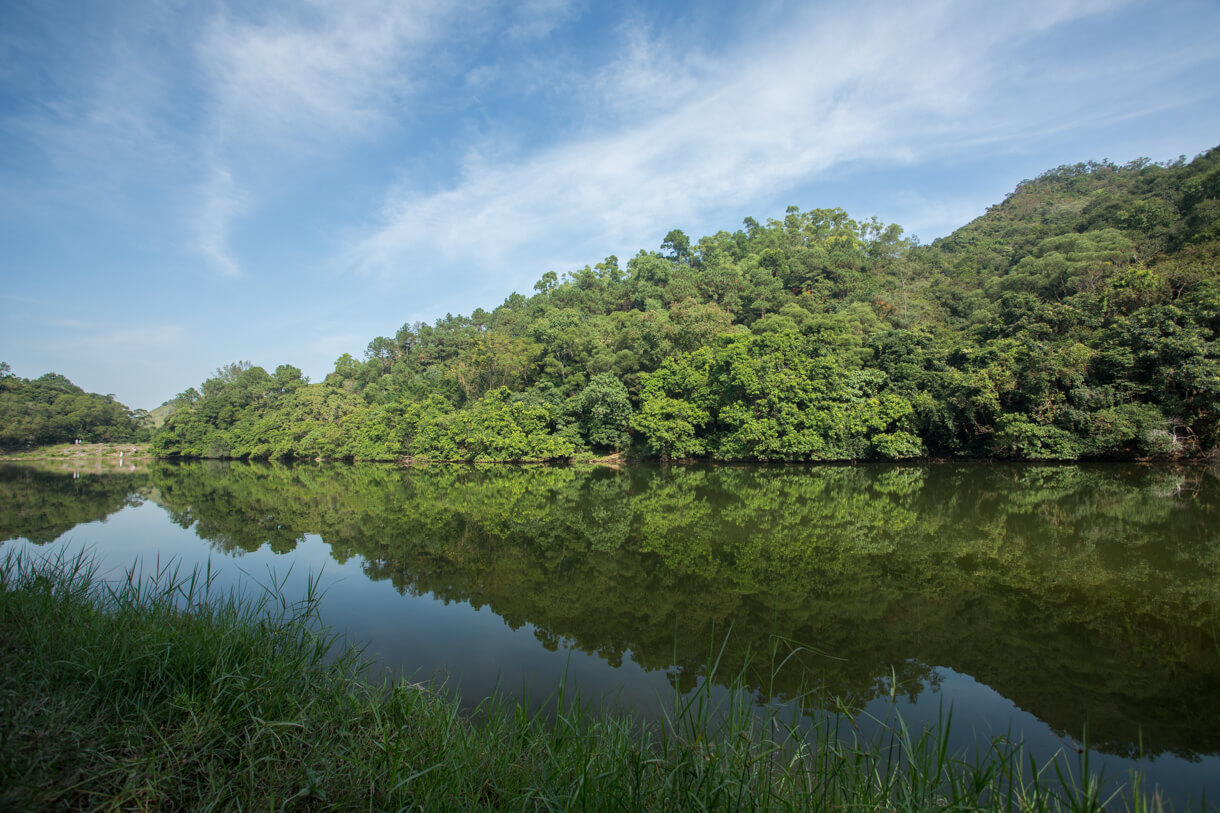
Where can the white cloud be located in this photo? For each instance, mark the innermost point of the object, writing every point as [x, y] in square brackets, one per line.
[674, 134]
[74, 324]
[335, 69]
[775, 112]
[222, 201]
[534, 19]
[288, 86]
[646, 78]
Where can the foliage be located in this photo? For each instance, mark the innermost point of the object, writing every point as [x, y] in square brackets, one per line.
[774, 396]
[495, 428]
[1079, 318]
[605, 413]
[51, 409]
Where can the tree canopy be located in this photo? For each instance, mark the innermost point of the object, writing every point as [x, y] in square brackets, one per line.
[51, 409]
[1076, 319]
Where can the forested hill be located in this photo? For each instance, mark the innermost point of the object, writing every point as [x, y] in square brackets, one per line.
[1076, 319]
[51, 409]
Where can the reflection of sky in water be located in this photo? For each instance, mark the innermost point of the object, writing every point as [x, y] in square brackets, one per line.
[980, 715]
[474, 651]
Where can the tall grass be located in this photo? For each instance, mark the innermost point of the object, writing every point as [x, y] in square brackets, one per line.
[164, 693]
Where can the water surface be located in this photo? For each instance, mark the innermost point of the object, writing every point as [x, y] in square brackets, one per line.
[1042, 602]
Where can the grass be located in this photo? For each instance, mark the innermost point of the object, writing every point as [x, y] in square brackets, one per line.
[164, 693]
[68, 453]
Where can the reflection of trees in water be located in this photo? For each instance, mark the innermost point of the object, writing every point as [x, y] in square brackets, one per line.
[42, 506]
[1077, 592]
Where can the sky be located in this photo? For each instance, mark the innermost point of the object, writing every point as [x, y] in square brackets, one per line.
[188, 183]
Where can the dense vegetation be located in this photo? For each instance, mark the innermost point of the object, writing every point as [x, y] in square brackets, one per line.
[51, 409]
[167, 694]
[1077, 319]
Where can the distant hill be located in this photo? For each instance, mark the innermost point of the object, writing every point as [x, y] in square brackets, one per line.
[51, 409]
[159, 415]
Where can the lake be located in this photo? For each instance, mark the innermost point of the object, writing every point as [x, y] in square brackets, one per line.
[1049, 603]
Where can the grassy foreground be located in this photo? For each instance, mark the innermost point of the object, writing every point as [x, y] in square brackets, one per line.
[163, 693]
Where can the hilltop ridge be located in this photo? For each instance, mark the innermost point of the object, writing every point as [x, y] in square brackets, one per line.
[1075, 319]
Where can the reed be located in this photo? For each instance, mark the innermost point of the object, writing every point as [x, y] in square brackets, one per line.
[163, 692]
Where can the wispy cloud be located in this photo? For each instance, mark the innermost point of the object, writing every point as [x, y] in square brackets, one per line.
[94, 105]
[72, 324]
[534, 19]
[194, 112]
[304, 77]
[287, 85]
[120, 334]
[671, 138]
[221, 202]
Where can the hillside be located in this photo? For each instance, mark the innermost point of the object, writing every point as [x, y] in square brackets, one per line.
[51, 409]
[1076, 319]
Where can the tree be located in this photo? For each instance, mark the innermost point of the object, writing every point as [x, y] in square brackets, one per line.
[51, 409]
[605, 413]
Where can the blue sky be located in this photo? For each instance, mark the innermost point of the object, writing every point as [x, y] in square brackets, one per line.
[185, 184]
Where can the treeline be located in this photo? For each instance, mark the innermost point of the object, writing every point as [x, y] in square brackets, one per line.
[1076, 319]
[51, 409]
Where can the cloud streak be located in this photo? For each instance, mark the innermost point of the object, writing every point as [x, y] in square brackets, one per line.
[288, 86]
[336, 70]
[222, 201]
[94, 107]
[673, 139]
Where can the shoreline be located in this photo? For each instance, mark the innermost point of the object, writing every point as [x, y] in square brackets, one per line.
[127, 453]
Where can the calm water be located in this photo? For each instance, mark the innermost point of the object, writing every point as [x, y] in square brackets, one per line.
[1037, 601]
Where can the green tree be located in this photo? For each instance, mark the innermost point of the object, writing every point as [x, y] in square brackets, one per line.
[605, 413]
